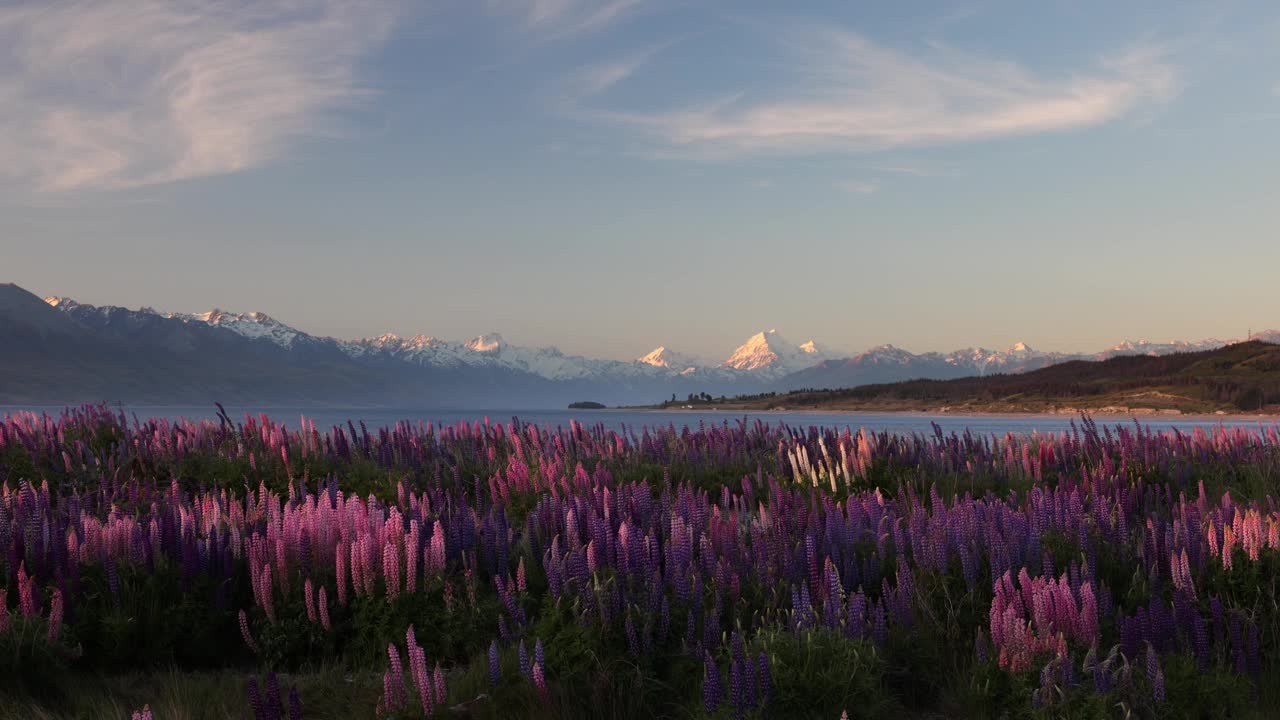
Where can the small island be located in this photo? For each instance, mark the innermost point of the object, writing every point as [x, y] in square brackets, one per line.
[586, 405]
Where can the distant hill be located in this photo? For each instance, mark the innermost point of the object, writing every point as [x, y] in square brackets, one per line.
[1243, 377]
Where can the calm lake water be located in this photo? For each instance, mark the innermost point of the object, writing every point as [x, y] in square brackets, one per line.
[617, 419]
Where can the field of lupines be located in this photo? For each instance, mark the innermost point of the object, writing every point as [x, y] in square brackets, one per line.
[734, 571]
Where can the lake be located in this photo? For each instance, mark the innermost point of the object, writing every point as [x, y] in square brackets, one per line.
[616, 419]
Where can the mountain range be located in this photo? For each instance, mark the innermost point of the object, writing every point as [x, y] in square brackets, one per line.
[57, 350]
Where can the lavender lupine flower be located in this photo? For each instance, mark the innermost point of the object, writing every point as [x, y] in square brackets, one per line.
[495, 670]
[441, 688]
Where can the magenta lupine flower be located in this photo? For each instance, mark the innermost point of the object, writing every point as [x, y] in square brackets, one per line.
[55, 615]
[522, 584]
[143, 714]
[244, 633]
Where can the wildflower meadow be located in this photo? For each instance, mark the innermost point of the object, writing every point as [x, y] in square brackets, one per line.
[734, 570]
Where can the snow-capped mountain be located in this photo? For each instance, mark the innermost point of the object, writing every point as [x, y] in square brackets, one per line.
[768, 353]
[661, 357]
[252, 325]
[1146, 347]
[223, 353]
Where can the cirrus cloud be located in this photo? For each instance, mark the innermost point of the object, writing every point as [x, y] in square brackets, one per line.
[124, 93]
[845, 92]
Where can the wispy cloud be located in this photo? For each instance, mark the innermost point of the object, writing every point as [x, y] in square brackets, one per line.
[122, 93]
[598, 78]
[560, 18]
[908, 170]
[846, 92]
[858, 188]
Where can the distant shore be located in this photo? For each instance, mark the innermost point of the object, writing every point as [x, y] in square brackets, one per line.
[1132, 413]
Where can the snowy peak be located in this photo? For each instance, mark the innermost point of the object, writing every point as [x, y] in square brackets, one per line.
[491, 344]
[62, 303]
[252, 325]
[661, 357]
[1146, 347]
[771, 353]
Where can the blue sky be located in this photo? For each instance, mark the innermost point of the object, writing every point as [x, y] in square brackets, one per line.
[611, 176]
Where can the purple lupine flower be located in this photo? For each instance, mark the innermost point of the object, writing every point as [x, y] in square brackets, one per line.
[765, 678]
[737, 693]
[711, 688]
[255, 700]
[272, 702]
[526, 665]
[495, 670]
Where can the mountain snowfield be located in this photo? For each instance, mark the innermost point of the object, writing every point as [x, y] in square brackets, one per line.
[765, 361]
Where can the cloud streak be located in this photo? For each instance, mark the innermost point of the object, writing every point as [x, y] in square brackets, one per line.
[561, 18]
[845, 92]
[124, 93]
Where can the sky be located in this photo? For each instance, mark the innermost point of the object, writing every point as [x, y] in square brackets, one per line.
[606, 177]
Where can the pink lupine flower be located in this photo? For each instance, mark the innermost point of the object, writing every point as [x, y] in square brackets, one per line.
[340, 562]
[522, 584]
[391, 570]
[324, 609]
[448, 596]
[540, 682]
[268, 603]
[441, 689]
[55, 615]
[397, 678]
[244, 633]
[411, 559]
[308, 597]
[27, 602]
